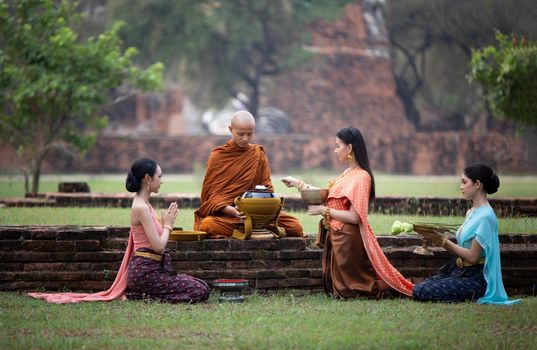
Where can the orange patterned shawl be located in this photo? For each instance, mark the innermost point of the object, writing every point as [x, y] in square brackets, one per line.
[354, 186]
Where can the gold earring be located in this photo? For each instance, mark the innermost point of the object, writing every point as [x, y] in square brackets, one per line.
[350, 157]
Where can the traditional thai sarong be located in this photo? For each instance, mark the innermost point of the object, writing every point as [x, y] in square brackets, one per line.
[347, 271]
[151, 278]
[353, 261]
[482, 281]
[453, 284]
[231, 171]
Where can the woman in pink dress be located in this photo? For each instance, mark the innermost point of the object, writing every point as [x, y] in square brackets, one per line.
[150, 272]
[146, 271]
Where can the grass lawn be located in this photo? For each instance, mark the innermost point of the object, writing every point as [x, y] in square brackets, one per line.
[120, 217]
[283, 321]
[386, 185]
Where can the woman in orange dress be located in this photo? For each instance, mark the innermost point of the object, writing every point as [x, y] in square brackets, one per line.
[353, 263]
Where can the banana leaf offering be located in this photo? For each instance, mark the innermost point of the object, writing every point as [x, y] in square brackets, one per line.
[422, 227]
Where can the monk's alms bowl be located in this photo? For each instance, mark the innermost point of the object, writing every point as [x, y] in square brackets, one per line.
[314, 196]
[259, 194]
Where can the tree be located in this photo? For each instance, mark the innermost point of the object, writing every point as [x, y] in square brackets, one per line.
[54, 84]
[222, 49]
[507, 74]
[432, 42]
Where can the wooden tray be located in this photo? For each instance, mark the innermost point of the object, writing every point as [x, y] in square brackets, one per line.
[186, 235]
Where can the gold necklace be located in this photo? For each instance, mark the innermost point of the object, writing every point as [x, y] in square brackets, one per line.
[332, 182]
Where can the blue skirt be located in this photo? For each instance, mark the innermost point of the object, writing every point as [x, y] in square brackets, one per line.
[454, 284]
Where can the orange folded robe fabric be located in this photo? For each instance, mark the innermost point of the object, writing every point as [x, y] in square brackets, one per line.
[231, 171]
[354, 186]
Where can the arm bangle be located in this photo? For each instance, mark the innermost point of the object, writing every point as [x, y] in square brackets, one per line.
[168, 227]
[326, 218]
[444, 241]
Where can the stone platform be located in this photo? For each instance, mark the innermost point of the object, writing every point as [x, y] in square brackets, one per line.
[87, 258]
[504, 207]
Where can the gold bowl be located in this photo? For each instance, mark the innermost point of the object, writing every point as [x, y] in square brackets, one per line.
[262, 210]
[261, 216]
[314, 196]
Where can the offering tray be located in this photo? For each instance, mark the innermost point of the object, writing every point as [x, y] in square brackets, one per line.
[187, 235]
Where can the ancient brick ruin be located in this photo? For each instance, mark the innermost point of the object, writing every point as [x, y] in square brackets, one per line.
[347, 82]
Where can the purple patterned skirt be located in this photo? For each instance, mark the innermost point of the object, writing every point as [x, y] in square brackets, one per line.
[157, 280]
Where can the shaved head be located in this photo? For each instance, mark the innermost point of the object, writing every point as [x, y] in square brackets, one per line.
[242, 128]
[243, 120]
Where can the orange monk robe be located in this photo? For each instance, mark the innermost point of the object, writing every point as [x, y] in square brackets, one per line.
[231, 171]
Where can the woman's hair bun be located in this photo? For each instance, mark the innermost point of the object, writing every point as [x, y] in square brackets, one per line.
[485, 174]
[493, 184]
[132, 184]
[139, 169]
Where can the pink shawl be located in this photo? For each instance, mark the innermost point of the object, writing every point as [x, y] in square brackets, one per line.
[114, 292]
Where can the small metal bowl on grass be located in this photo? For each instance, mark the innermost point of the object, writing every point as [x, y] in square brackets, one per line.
[314, 196]
[231, 289]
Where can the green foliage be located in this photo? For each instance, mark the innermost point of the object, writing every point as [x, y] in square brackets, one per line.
[54, 84]
[222, 49]
[431, 43]
[507, 72]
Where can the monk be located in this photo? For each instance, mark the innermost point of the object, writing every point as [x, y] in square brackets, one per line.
[232, 169]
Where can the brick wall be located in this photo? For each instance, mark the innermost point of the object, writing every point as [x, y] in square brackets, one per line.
[87, 258]
[419, 153]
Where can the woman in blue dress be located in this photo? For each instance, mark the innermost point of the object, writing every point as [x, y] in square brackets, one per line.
[474, 271]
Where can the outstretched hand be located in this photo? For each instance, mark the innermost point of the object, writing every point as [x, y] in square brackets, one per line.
[290, 181]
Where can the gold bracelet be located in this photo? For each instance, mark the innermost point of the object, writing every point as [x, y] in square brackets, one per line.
[168, 227]
[444, 241]
[326, 218]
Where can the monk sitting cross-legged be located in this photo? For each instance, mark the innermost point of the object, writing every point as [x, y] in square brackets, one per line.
[232, 169]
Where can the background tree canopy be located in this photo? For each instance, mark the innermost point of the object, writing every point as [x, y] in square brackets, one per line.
[219, 50]
[432, 43]
[54, 84]
[508, 75]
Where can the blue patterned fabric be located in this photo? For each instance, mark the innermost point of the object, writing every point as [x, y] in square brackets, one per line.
[482, 225]
[453, 284]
